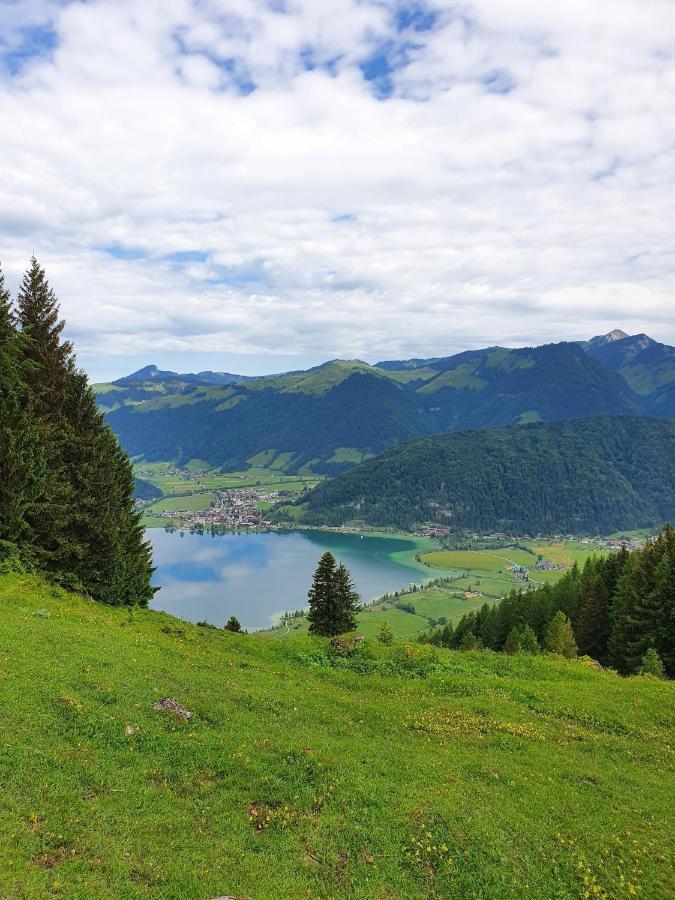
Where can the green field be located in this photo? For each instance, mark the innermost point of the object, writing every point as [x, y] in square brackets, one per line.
[150, 521]
[488, 570]
[430, 603]
[186, 502]
[401, 772]
[268, 479]
[475, 560]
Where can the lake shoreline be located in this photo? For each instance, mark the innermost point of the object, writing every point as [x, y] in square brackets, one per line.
[208, 576]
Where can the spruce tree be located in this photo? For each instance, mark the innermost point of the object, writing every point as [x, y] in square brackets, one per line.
[85, 531]
[664, 588]
[48, 365]
[347, 600]
[7, 322]
[22, 463]
[322, 613]
[489, 627]
[592, 625]
[468, 641]
[512, 643]
[447, 636]
[624, 646]
[233, 624]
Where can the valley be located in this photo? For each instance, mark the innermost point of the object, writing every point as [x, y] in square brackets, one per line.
[505, 681]
[433, 584]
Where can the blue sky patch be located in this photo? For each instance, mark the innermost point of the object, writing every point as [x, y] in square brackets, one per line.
[187, 256]
[36, 42]
[120, 252]
[416, 18]
[498, 81]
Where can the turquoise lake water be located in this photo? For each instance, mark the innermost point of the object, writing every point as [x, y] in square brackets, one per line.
[255, 577]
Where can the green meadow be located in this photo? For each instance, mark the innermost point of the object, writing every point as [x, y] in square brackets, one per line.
[378, 772]
[185, 502]
[429, 603]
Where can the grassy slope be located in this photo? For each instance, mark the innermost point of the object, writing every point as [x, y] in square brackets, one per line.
[491, 776]
[432, 602]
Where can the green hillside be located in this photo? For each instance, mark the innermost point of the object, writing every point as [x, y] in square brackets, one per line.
[593, 475]
[330, 417]
[405, 771]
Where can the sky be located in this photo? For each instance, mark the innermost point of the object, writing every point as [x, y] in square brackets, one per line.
[261, 185]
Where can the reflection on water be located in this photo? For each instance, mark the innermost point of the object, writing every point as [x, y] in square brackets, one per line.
[257, 576]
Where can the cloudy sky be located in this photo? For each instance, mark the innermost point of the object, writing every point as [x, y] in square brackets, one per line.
[257, 185]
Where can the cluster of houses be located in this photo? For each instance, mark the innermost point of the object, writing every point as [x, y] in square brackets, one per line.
[233, 508]
[619, 544]
[522, 573]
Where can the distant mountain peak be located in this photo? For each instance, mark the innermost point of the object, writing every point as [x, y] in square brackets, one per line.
[616, 335]
[153, 373]
[148, 373]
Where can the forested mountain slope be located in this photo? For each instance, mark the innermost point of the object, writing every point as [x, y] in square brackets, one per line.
[592, 475]
[332, 416]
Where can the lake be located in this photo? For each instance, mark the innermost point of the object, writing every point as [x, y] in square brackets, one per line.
[256, 577]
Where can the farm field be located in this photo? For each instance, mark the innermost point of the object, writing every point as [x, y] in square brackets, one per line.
[488, 570]
[158, 474]
[403, 771]
[477, 560]
[188, 502]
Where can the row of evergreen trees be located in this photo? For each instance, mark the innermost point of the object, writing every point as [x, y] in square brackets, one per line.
[618, 608]
[66, 486]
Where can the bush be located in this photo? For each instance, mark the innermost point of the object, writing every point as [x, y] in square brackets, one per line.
[559, 637]
[651, 664]
[10, 559]
[386, 633]
[528, 641]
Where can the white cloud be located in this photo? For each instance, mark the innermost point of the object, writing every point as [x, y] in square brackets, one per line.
[512, 183]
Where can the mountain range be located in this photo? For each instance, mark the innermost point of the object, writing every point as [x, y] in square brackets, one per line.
[152, 373]
[333, 416]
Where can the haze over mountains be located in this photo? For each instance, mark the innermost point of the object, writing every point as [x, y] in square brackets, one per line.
[333, 416]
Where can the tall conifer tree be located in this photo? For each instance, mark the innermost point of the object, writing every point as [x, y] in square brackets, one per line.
[630, 588]
[22, 467]
[322, 600]
[6, 312]
[347, 600]
[592, 625]
[84, 527]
